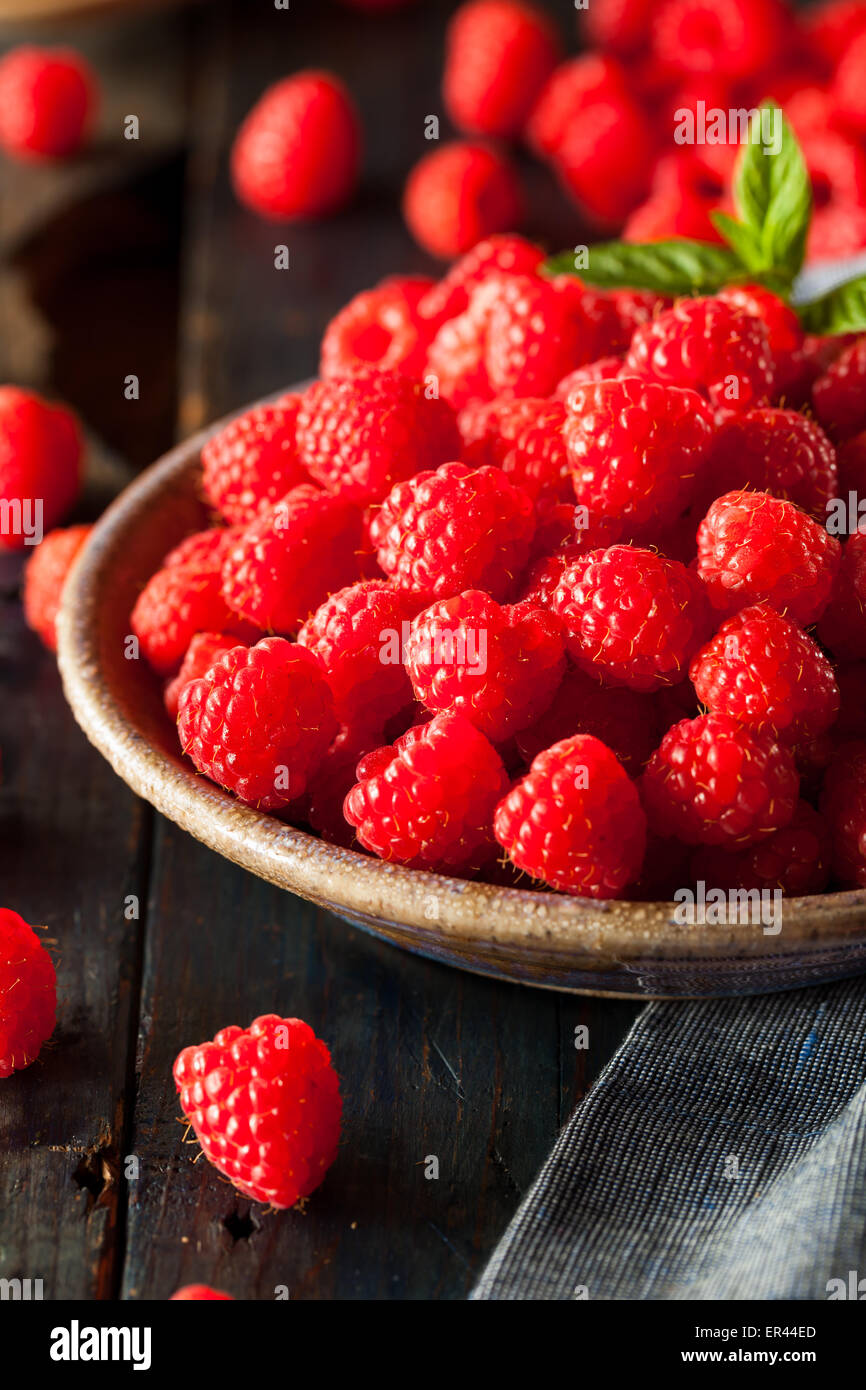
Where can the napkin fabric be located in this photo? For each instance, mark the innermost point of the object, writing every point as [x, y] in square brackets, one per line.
[721, 1155]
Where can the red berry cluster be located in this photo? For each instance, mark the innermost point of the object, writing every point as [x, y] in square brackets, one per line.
[632, 126]
[529, 568]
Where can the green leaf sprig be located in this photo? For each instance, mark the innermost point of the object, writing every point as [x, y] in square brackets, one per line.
[765, 242]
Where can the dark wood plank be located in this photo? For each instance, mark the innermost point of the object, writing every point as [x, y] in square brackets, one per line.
[73, 847]
[88, 283]
[74, 843]
[433, 1062]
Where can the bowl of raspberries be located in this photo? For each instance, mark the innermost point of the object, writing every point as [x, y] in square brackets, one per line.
[532, 634]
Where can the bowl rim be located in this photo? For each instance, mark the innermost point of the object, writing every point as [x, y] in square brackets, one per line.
[446, 909]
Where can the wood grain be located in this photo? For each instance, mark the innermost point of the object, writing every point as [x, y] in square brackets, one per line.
[63, 819]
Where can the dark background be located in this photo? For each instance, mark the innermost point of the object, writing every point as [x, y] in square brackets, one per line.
[136, 259]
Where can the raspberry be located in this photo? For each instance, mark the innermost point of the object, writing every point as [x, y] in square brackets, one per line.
[457, 355]
[297, 153]
[753, 548]
[455, 529]
[259, 722]
[604, 159]
[808, 108]
[321, 806]
[575, 820]
[843, 625]
[603, 369]
[775, 451]
[183, 598]
[848, 94]
[428, 800]
[630, 308]
[264, 1103]
[459, 193]
[500, 667]
[537, 331]
[253, 460]
[794, 860]
[623, 26]
[836, 167]
[380, 328]
[622, 719]
[636, 448]
[843, 806]
[507, 255]
[285, 563]
[570, 543]
[358, 635]
[47, 102]
[199, 1293]
[839, 396]
[666, 215]
[716, 348]
[712, 781]
[837, 230]
[851, 679]
[632, 616]
[40, 466]
[28, 994]
[45, 577]
[851, 464]
[701, 171]
[360, 436]
[567, 526]
[812, 361]
[202, 548]
[764, 671]
[499, 54]
[784, 333]
[203, 652]
[831, 26]
[571, 88]
[731, 38]
[523, 437]
[665, 869]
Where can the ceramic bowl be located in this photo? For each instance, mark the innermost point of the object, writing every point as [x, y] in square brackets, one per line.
[534, 938]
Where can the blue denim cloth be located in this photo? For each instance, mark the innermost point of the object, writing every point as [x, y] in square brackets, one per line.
[721, 1155]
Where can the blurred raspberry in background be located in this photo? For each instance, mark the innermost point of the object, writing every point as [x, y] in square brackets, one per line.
[606, 121]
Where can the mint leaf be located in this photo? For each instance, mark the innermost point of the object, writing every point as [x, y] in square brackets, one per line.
[741, 240]
[773, 195]
[842, 310]
[676, 267]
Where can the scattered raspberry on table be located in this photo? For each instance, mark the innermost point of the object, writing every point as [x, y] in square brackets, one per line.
[48, 99]
[40, 466]
[297, 153]
[28, 993]
[265, 1106]
[200, 1293]
[45, 577]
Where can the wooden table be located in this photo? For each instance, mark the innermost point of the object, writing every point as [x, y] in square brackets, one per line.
[138, 260]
